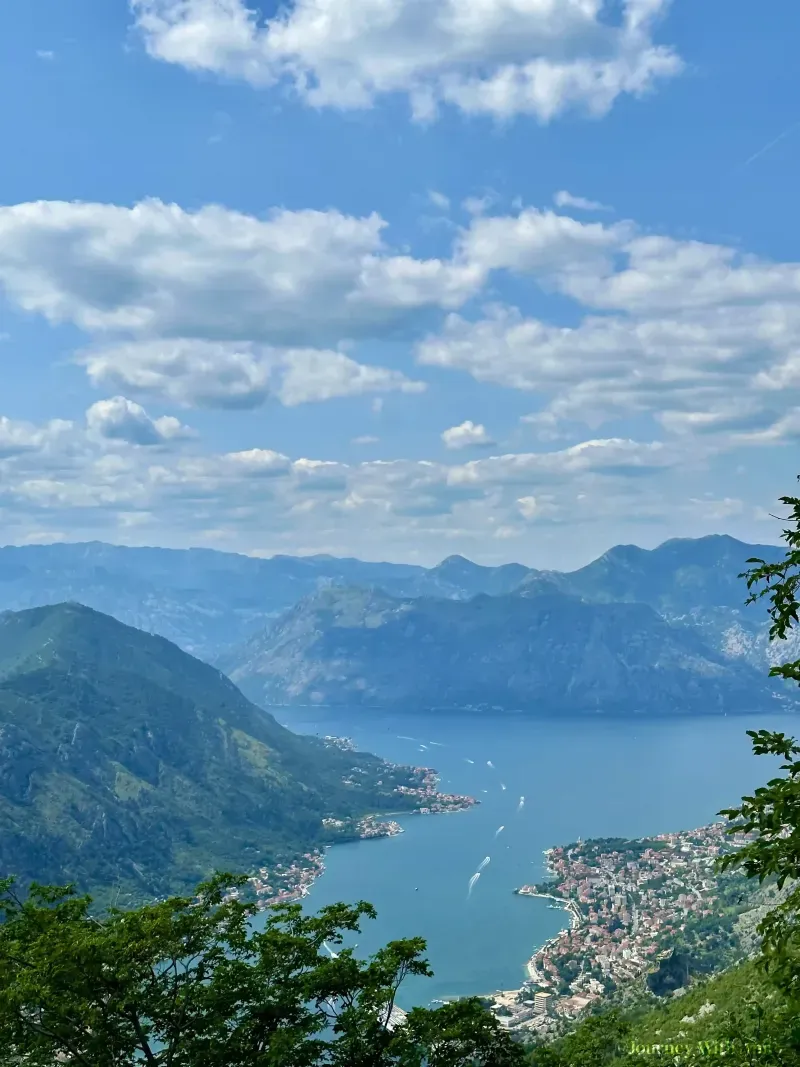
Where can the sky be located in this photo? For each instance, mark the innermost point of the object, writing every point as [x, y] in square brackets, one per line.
[398, 279]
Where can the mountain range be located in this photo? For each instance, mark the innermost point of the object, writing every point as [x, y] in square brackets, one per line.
[538, 650]
[206, 601]
[253, 618]
[127, 763]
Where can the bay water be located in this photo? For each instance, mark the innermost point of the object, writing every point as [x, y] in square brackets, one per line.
[592, 777]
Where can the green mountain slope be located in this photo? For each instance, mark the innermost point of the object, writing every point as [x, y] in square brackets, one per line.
[735, 1018]
[548, 653]
[123, 760]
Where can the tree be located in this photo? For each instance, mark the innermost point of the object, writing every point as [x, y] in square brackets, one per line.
[188, 982]
[773, 811]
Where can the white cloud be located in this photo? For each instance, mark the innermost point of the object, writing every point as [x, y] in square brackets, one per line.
[120, 419]
[18, 437]
[189, 372]
[439, 200]
[218, 374]
[80, 484]
[292, 279]
[214, 308]
[45, 53]
[478, 205]
[260, 462]
[309, 374]
[465, 435]
[486, 57]
[552, 246]
[701, 336]
[365, 439]
[564, 199]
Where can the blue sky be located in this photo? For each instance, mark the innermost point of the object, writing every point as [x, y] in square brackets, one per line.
[330, 279]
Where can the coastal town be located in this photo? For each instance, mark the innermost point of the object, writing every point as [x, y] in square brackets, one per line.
[291, 881]
[627, 902]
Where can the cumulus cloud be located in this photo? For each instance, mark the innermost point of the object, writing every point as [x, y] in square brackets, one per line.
[700, 336]
[218, 374]
[488, 57]
[120, 419]
[291, 279]
[218, 309]
[564, 199]
[309, 374]
[466, 434]
[552, 246]
[18, 437]
[97, 479]
[189, 372]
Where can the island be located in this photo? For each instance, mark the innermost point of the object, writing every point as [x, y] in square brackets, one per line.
[652, 910]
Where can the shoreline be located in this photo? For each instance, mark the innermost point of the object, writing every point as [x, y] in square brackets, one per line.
[790, 707]
[624, 898]
[368, 827]
[531, 964]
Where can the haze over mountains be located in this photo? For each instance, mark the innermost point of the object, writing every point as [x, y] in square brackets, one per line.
[635, 630]
[545, 653]
[206, 601]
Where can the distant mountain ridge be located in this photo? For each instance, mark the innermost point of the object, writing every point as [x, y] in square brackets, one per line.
[126, 762]
[206, 601]
[544, 653]
[695, 583]
[211, 602]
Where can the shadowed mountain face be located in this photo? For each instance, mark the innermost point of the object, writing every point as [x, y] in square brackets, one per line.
[125, 761]
[550, 653]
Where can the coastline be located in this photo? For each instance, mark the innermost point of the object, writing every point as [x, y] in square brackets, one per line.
[531, 965]
[627, 899]
[297, 878]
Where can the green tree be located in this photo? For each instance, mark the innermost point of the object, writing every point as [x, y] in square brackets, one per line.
[188, 982]
[772, 813]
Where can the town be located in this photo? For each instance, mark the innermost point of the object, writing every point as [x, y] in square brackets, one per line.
[627, 900]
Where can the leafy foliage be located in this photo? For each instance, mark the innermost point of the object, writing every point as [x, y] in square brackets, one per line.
[773, 811]
[188, 982]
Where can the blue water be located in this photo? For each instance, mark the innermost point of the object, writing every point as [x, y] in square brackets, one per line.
[580, 778]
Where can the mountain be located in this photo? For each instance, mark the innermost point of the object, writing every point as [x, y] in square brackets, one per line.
[551, 653]
[205, 600]
[201, 599]
[692, 581]
[125, 761]
[208, 601]
[459, 578]
[676, 578]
